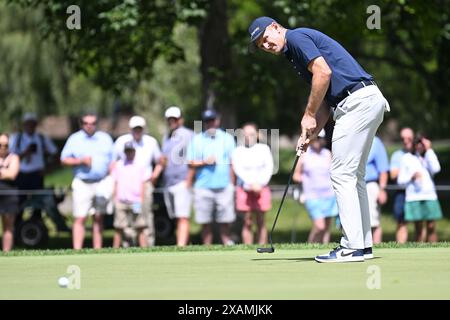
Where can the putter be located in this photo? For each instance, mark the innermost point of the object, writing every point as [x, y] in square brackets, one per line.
[272, 249]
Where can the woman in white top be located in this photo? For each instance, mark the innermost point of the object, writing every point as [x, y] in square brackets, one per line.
[253, 166]
[416, 172]
[9, 201]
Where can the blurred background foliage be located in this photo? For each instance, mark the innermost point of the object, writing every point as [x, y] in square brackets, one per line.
[148, 55]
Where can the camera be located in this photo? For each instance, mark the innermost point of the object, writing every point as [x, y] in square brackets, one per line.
[32, 147]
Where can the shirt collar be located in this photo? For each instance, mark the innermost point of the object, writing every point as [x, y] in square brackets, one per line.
[88, 136]
[286, 47]
[174, 132]
[30, 135]
[216, 135]
[140, 142]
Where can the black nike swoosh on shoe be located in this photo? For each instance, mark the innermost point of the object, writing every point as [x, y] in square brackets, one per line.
[347, 254]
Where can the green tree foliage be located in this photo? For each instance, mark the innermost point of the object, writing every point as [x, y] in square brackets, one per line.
[408, 56]
[173, 83]
[416, 42]
[130, 46]
[118, 40]
[33, 73]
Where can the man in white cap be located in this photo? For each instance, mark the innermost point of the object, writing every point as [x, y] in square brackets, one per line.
[147, 155]
[177, 193]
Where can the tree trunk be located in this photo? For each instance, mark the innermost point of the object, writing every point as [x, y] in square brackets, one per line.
[215, 53]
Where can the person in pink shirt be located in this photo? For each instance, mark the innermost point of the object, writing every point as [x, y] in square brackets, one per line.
[313, 172]
[129, 190]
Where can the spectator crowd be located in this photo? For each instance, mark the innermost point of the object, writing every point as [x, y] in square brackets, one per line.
[212, 173]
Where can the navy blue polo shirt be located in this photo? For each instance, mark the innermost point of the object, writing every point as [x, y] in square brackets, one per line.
[304, 44]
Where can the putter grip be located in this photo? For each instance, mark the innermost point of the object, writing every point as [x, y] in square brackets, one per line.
[300, 151]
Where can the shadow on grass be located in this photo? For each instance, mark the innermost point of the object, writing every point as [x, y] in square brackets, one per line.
[285, 259]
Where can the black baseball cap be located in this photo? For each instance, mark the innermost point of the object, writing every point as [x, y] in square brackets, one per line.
[209, 114]
[256, 29]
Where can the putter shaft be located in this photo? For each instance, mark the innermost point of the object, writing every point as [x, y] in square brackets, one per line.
[272, 249]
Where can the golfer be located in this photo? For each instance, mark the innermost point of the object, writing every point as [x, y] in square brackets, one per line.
[340, 84]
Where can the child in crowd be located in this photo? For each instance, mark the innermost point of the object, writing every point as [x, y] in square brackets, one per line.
[129, 191]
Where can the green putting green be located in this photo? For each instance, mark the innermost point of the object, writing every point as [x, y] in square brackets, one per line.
[406, 272]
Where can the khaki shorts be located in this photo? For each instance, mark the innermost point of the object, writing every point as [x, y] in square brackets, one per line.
[147, 209]
[125, 218]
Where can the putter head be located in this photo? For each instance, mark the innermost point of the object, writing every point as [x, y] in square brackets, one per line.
[265, 250]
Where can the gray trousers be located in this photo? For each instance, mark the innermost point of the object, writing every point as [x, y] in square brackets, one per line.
[357, 120]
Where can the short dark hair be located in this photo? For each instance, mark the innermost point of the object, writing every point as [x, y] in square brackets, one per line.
[418, 139]
[88, 114]
[252, 124]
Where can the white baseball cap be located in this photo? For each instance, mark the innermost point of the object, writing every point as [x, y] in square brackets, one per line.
[136, 121]
[173, 112]
[321, 134]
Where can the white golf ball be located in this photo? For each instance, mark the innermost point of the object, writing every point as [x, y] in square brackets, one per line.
[63, 282]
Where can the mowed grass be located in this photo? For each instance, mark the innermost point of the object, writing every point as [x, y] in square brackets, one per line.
[292, 226]
[404, 272]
